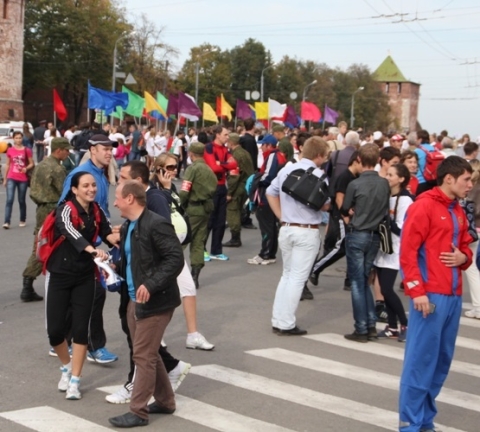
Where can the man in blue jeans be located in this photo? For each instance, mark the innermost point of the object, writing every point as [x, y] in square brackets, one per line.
[366, 202]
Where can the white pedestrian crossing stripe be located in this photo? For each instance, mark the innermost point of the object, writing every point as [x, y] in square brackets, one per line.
[321, 401]
[214, 417]
[385, 350]
[360, 374]
[461, 342]
[48, 419]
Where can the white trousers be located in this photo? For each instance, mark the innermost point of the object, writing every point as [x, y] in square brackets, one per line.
[471, 277]
[299, 248]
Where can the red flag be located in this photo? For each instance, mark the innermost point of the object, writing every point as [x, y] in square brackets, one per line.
[310, 112]
[58, 106]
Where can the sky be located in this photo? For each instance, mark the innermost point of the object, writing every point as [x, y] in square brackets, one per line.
[434, 43]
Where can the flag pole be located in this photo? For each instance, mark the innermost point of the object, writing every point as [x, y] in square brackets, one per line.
[55, 119]
[235, 127]
[324, 111]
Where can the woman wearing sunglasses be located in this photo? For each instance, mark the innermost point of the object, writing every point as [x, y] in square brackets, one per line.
[164, 171]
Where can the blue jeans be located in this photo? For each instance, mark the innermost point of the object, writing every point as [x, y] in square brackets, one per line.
[361, 248]
[22, 193]
[134, 155]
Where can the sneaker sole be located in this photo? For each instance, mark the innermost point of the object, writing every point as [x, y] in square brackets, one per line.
[73, 397]
[182, 377]
[199, 348]
[93, 360]
[117, 402]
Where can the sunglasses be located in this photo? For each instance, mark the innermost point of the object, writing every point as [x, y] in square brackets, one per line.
[168, 168]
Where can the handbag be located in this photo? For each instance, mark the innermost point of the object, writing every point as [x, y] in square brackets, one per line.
[181, 223]
[469, 209]
[385, 230]
[305, 187]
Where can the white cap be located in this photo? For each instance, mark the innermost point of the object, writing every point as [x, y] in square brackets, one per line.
[118, 136]
[377, 135]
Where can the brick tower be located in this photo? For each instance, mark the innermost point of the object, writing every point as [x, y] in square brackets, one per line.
[11, 59]
[402, 93]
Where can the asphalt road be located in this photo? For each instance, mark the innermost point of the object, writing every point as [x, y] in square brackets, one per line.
[252, 381]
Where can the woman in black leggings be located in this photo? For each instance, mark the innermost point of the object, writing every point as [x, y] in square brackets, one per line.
[387, 265]
[71, 276]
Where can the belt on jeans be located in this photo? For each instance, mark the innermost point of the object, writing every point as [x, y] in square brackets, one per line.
[300, 225]
[351, 229]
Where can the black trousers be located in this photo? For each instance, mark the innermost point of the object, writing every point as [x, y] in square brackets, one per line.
[168, 360]
[268, 224]
[333, 245]
[218, 219]
[393, 304]
[69, 300]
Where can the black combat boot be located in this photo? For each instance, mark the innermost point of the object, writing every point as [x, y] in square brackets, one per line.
[235, 241]
[28, 294]
[195, 274]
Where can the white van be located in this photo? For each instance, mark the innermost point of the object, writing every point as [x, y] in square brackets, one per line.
[7, 129]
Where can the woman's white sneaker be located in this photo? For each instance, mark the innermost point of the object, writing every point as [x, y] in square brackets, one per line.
[73, 391]
[64, 379]
[474, 313]
[198, 341]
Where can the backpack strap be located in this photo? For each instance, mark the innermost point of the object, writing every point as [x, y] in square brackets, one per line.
[98, 219]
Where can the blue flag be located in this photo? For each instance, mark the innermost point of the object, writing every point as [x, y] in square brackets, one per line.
[105, 100]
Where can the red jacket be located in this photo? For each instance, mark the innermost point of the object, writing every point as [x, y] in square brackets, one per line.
[432, 223]
[218, 153]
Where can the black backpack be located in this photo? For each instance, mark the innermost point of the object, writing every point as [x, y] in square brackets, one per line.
[80, 141]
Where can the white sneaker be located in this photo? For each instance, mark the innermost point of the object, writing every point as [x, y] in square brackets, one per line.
[474, 313]
[122, 396]
[65, 379]
[199, 342]
[73, 391]
[256, 260]
[178, 374]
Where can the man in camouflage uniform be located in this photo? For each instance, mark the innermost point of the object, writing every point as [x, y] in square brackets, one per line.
[236, 194]
[198, 188]
[284, 144]
[46, 188]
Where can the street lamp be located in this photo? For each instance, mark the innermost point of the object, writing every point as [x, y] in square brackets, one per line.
[115, 57]
[197, 70]
[306, 88]
[353, 105]
[261, 81]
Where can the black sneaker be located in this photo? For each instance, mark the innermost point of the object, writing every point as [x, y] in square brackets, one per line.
[357, 337]
[306, 293]
[372, 334]
[313, 279]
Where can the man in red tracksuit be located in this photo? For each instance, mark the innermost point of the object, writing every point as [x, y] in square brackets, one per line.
[433, 252]
[220, 161]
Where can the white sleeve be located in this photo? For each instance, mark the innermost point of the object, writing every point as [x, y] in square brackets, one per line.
[403, 204]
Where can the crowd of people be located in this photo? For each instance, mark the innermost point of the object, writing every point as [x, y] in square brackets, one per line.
[395, 202]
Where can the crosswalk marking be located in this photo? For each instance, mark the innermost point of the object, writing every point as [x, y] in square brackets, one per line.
[470, 322]
[461, 342]
[385, 350]
[360, 374]
[213, 417]
[48, 419]
[324, 402]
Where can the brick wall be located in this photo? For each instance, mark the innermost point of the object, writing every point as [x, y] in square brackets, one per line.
[11, 59]
[403, 101]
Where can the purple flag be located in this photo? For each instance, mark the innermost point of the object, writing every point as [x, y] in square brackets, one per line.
[291, 117]
[187, 106]
[330, 115]
[172, 108]
[243, 110]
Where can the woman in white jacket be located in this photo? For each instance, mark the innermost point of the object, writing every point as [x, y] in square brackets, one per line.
[387, 265]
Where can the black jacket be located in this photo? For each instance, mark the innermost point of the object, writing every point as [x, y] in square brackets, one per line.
[157, 260]
[70, 257]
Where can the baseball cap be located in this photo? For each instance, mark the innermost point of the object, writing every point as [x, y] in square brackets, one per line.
[197, 148]
[234, 138]
[60, 143]
[268, 139]
[397, 137]
[100, 139]
[278, 128]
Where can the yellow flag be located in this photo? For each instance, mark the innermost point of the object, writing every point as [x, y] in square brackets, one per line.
[152, 105]
[209, 113]
[261, 108]
[226, 108]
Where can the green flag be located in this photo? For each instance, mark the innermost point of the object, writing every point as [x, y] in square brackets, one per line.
[162, 101]
[118, 113]
[135, 103]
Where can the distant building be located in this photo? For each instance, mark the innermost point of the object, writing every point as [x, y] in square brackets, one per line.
[403, 95]
[12, 14]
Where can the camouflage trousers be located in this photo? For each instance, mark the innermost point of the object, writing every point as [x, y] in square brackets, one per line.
[234, 212]
[199, 224]
[34, 267]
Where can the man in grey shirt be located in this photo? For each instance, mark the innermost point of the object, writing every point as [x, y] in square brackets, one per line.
[367, 202]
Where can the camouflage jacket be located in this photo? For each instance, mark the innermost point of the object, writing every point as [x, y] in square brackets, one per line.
[47, 181]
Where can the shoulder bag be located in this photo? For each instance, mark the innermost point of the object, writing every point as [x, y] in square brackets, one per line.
[305, 187]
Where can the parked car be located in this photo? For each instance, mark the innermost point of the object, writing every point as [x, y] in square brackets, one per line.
[7, 129]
